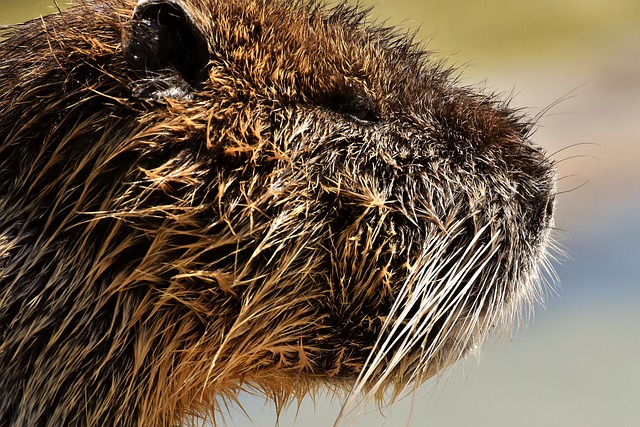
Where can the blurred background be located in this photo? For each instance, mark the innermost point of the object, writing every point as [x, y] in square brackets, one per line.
[576, 363]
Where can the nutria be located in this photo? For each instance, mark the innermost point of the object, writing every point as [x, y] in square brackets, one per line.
[200, 197]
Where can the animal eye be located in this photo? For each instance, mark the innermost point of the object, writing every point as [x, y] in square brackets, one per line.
[356, 107]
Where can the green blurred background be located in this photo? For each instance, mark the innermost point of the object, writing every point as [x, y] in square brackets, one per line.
[576, 364]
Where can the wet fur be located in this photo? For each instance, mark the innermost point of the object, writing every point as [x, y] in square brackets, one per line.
[320, 207]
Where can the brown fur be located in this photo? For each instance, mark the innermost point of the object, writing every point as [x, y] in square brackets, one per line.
[268, 195]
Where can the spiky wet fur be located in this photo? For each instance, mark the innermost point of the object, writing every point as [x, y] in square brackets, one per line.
[327, 209]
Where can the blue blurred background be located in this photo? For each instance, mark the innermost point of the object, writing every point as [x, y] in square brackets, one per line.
[576, 364]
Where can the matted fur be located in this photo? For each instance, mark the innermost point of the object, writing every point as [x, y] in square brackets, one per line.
[321, 206]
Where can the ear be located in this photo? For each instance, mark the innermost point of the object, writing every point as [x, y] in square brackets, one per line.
[164, 37]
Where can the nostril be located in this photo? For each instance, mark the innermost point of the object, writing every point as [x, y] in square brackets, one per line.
[551, 203]
[542, 209]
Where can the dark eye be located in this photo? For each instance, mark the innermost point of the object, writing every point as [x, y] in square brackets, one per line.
[356, 107]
